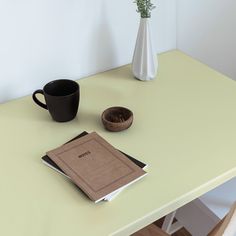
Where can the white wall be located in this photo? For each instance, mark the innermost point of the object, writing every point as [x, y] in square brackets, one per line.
[41, 40]
[206, 30]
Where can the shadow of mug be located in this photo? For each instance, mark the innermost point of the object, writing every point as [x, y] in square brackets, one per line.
[62, 99]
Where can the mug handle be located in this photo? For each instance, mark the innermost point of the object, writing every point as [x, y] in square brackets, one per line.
[36, 99]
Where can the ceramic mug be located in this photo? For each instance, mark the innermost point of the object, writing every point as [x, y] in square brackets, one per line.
[62, 99]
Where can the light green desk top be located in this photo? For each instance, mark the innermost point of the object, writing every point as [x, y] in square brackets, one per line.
[184, 128]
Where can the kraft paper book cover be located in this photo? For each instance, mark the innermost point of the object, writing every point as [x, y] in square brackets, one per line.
[50, 163]
[95, 166]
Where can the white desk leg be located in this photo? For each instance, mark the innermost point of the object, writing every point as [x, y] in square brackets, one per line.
[168, 225]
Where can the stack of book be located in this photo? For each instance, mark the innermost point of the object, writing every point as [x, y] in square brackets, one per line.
[95, 166]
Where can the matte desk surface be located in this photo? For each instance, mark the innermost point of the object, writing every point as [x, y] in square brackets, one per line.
[184, 129]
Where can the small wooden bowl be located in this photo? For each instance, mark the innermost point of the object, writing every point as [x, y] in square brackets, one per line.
[117, 118]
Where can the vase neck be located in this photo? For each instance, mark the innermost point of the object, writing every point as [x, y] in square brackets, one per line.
[144, 20]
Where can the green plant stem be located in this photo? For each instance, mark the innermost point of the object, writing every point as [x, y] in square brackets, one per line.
[144, 7]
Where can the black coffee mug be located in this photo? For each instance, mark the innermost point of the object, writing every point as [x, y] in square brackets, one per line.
[62, 99]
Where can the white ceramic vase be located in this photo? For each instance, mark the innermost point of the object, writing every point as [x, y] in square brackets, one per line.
[145, 64]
